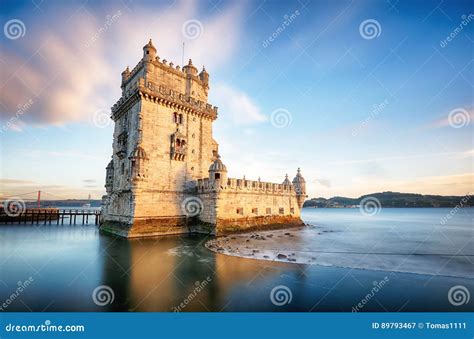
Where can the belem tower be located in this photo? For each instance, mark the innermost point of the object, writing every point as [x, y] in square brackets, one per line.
[166, 175]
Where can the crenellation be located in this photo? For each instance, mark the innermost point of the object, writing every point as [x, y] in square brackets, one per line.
[164, 157]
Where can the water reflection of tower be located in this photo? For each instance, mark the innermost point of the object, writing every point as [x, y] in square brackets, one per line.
[116, 266]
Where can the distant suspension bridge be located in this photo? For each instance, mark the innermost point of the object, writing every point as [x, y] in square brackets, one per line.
[15, 210]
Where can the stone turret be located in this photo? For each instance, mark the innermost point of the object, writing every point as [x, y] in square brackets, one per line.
[190, 68]
[218, 171]
[125, 76]
[204, 76]
[149, 52]
[300, 188]
[286, 181]
[109, 177]
[138, 158]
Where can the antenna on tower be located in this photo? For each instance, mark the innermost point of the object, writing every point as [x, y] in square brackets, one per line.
[182, 57]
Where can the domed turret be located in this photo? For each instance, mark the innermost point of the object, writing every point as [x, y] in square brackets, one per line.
[286, 181]
[217, 170]
[300, 188]
[204, 76]
[190, 69]
[149, 51]
[109, 177]
[138, 158]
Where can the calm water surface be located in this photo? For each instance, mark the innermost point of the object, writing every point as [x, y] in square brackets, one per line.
[67, 263]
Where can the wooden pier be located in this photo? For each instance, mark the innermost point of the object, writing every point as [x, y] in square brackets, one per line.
[52, 216]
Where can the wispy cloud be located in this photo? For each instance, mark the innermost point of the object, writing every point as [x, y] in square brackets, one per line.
[447, 121]
[462, 154]
[236, 106]
[37, 153]
[71, 69]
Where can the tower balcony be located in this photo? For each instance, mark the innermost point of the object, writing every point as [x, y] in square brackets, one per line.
[178, 153]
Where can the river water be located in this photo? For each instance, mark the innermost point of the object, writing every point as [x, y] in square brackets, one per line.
[76, 268]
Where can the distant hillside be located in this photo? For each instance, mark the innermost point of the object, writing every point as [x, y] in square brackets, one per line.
[395, 199]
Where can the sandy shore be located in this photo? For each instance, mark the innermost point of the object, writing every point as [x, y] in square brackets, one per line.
[285, 245]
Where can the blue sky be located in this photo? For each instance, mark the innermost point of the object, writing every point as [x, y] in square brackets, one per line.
[361, 111]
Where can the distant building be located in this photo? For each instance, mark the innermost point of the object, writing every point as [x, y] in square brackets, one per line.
[166, 175]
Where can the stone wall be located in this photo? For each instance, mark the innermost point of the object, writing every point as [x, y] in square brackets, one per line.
[238, 205]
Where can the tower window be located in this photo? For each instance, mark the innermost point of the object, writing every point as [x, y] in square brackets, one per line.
[122, 168]
[239, 210]
[281, 210]
[175, 117]
[217, 176]
[181, 119]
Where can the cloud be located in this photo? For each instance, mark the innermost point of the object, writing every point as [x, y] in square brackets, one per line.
[70, 68]
[15, 182]
[236, 106]
[36, 153]
[89, 181]
[462, 154]
[455, 117]
[324, 182]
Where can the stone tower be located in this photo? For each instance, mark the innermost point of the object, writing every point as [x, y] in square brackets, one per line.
[162, 144]
[166, 175]
[300, 188]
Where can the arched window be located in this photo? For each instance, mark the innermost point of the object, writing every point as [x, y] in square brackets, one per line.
[181, 119]
[175, 117]
[178, 143]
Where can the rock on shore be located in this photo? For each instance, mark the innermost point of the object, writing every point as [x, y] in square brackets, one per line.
[282, 245]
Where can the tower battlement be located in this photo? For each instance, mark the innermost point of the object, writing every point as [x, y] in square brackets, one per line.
[165, 96]
[207, 185]
[164, 156]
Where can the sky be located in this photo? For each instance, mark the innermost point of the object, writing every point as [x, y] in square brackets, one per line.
[364, 96]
